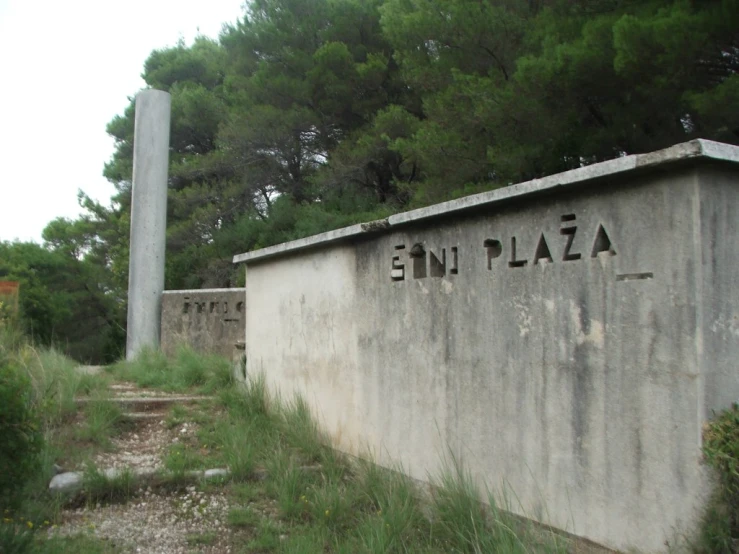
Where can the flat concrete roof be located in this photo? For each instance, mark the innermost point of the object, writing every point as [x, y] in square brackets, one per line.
[693, 150]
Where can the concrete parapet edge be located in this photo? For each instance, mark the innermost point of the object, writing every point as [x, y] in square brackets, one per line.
[203, 291]
[694, 150]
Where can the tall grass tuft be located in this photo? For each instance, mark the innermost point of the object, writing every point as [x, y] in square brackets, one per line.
[398, 522]
[186, 371]
[248, 400]
[301, 430]
[103, 419]
[100, 487]
[464, 524]
[288, 484]
[238, 448]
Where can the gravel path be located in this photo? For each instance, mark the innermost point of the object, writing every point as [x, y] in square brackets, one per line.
[158, 521]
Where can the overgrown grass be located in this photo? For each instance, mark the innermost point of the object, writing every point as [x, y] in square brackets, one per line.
[101, 487]
[720, 529]
[20, 539]
[316, 500]
[103, 420]
[187, 371]
[53, 383]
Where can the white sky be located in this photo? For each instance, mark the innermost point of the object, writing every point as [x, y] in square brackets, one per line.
[66, 69]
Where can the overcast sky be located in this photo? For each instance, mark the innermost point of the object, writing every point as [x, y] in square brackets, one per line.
[66, 69]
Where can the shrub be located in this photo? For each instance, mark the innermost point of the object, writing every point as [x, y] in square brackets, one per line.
[21, 437]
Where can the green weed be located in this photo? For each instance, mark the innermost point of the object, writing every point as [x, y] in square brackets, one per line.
[202, 539]
[181, 458]
[77, 544]
[178, 415]
[248, 400]
[267, 537]
[243, 493]
[288, 484]
[237, 449]
[99, 487]
[243, 517]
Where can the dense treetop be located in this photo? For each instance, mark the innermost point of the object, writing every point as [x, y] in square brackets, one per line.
[308, 115]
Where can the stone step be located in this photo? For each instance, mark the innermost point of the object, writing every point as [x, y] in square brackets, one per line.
[123, 387]
[71, 482]
[147, 403]
[145, 416]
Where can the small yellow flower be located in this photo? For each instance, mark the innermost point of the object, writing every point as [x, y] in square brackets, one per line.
[29, 524]
[326, 513]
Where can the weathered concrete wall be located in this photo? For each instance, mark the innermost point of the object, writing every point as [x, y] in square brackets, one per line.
[209, 320]
[565, 338]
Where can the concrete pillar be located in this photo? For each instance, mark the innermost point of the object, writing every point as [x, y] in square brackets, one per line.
[148, 220]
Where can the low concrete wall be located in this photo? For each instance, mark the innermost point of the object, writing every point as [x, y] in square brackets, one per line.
[209, 320]
[565, 338]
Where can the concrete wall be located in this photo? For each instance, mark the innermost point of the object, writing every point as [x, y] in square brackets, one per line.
[209, 320]
[566, 338]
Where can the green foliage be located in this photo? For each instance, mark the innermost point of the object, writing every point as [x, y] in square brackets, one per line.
[516, 90]
[180, 458]
[37, 391]
[202, 539]
[19, 539]
[21, 436]
[63, 300]
[15, 538]
[720, 531]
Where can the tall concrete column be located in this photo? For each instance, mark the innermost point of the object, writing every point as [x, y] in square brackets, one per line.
[148, 220]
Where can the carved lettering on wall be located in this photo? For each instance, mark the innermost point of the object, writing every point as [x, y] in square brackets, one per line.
[213, 308]
[423, 263]
[569, 231]
[397, 270]
[542, 251]
[426, 260]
